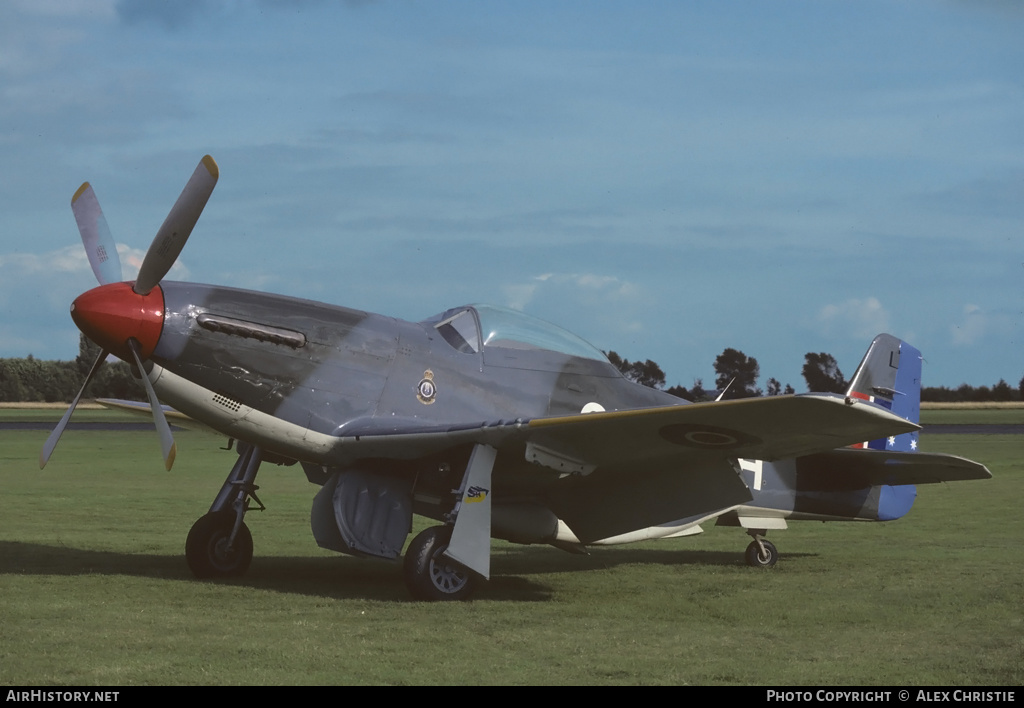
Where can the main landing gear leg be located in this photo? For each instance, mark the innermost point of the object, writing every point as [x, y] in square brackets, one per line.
[448, 562]
[761, 553]
[219, 544]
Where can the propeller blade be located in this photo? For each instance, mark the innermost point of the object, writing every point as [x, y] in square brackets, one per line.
[174, 232]
[99, 244]
[51, 442]
[166, 439]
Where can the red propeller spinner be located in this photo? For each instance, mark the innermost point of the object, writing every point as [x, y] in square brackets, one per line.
[112, 314]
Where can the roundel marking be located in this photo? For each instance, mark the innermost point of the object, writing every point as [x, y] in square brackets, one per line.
[706, 437]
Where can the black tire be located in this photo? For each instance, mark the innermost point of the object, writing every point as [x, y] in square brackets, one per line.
[756, 559]
[429, 575]
[206, 547]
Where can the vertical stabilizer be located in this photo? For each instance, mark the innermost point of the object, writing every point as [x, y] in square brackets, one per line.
[890, 375]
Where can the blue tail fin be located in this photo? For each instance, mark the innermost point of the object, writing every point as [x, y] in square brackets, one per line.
[890, 375]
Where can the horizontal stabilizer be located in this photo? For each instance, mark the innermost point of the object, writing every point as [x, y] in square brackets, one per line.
[857, 469]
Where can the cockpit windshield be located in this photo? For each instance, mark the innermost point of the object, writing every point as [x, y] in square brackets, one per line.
[460, 331]
[511, 329]
[470, 329]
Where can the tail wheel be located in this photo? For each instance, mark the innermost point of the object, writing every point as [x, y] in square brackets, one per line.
[207, 550]
[762, 559]
[431, 576]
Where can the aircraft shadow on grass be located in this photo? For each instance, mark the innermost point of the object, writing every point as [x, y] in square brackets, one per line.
[347, 578]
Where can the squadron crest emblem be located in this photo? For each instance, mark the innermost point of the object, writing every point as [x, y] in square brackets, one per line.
[426, 390]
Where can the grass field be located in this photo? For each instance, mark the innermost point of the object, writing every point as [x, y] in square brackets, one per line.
[94, 590]
[990, 415]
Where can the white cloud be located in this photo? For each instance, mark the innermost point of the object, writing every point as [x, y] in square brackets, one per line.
[971, 328]
[580, 287]
[600, 308]
[131, 261]
[69, 259]
[860, 319]
[72, 259]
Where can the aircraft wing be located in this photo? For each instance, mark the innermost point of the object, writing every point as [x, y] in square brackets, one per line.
[637, 468]
[641, 468]
[769, 428]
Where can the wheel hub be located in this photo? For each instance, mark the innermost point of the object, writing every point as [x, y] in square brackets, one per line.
[222, 553]
[446, 577]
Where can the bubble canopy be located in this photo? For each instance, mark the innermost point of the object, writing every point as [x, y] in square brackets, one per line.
[470, 328]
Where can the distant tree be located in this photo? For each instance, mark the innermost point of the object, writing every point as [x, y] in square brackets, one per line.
[774, 387]
[695, 394]
[938, 394]
[1020, 388]
[735, 366]
[679, 392]
[698, 392]
[966, 392]
[11, 387]
[646, 373]
[87, 353]
[32, 379]
[789, 390]
[115, 380]
[616, 360]
[822, 374]
[1002, 391]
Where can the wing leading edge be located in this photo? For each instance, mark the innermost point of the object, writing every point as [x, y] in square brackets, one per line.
[760, 428]
[763, 428]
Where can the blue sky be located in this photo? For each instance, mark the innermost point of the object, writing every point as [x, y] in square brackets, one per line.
[666, 179]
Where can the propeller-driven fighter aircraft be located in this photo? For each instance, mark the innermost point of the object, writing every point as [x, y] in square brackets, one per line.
[491, 422]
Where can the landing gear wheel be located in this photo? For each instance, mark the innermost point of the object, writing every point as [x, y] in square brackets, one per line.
[207, 551]
[757, 559]
[429, 575]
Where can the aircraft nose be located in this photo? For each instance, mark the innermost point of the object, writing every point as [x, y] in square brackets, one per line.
[112, 314]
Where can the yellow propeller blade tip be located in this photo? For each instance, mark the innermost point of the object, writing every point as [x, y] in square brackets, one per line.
[85, 186]
[211, 166]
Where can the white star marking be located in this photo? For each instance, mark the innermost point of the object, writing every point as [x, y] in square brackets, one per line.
[892, 441]
[913, 444]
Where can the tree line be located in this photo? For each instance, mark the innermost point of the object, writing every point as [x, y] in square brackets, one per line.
[37, 380]
[736, 374]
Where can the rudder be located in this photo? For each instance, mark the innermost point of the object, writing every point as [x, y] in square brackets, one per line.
[890, 376]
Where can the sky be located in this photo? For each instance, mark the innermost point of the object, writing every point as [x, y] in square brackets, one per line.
[665, 179]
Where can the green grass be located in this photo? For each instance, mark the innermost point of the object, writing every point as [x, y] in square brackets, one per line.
[82, 415]
[94, 590]
[972, 416]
